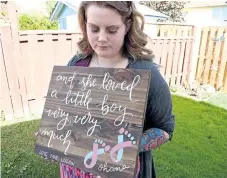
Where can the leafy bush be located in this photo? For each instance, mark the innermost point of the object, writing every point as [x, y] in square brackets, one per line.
[28, 22]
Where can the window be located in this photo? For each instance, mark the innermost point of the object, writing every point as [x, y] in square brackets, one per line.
[63, 23]
[220, 13]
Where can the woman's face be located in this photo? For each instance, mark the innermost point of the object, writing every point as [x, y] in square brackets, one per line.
[105, 31]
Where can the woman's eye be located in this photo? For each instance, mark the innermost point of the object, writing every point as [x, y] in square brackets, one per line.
[94, 30]
[112, 31]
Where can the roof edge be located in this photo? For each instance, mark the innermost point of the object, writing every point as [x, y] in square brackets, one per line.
[58, 8]
[56, 11]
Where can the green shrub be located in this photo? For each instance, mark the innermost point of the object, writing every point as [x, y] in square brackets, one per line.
[28, 22]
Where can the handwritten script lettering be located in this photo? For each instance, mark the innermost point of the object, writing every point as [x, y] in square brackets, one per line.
[109, 84]
[54, 94]
[87, 119]
[67, 80]
[87, 82]
[79, 98]
[43, 153]
[54, 136]
[54, 157]
[67, 161]
[59, 113]
[104, 168]
[106, 109]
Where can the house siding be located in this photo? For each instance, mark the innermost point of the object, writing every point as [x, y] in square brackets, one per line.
[197, 16]
[206, 15]
[62, 23]
[65, 18]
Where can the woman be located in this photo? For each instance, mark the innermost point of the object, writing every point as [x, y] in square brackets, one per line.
[112, 37]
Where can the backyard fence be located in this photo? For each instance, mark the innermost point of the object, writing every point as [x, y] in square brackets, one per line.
[183, 52]
[174, 57]
[212, 58]
[41, 50]
[169, 30]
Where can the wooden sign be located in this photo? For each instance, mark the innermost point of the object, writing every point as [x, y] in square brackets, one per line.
[93, 119]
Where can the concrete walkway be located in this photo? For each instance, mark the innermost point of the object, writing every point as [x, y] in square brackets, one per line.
[218, 99]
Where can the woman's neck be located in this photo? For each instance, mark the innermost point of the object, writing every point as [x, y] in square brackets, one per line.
[109, 62]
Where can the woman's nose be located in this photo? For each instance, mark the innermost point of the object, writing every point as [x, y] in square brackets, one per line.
[102, 36]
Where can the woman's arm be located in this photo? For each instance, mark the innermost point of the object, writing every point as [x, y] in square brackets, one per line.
[153, 138]
[159, 120]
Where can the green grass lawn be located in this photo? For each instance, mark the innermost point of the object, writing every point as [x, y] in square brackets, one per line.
[198, 148]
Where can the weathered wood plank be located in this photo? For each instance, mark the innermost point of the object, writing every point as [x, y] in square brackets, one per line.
[180, 64]
[107, 114]
[164, 57]
[225, 80]
[11, 70]
[176, 56]
[209, 55]
[223, 63]
[202, 50]
[216, 59]
[5, 100]
[186, 60]
[172, 44]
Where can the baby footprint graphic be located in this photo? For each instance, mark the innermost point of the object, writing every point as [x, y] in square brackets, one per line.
[106, 147]
[119, 148]
[93, 155]
[129, 135]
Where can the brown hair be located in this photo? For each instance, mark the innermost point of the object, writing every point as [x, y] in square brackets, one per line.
[135, 39]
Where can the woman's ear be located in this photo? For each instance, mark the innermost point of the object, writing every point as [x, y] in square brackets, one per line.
[128, 26]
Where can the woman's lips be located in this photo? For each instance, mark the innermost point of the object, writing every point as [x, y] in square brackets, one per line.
[103, 47]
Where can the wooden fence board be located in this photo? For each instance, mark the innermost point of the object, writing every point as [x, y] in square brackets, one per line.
[6, 103]
[202, 50]
[75, 39]
[223, 63]
[186, 61]
[225, 80]
[40, 62]
[164, 57]
[216, 58]
[18, 61]
[153, 47]
[49, 61]
[180, 64]
[209, 55]
[60, 50]
[169, 60]
[158, 51]
[176, 56]
[11, 72]
[31, 59]
[64, 51]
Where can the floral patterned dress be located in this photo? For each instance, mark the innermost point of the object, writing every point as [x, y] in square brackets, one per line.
[67, 171]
